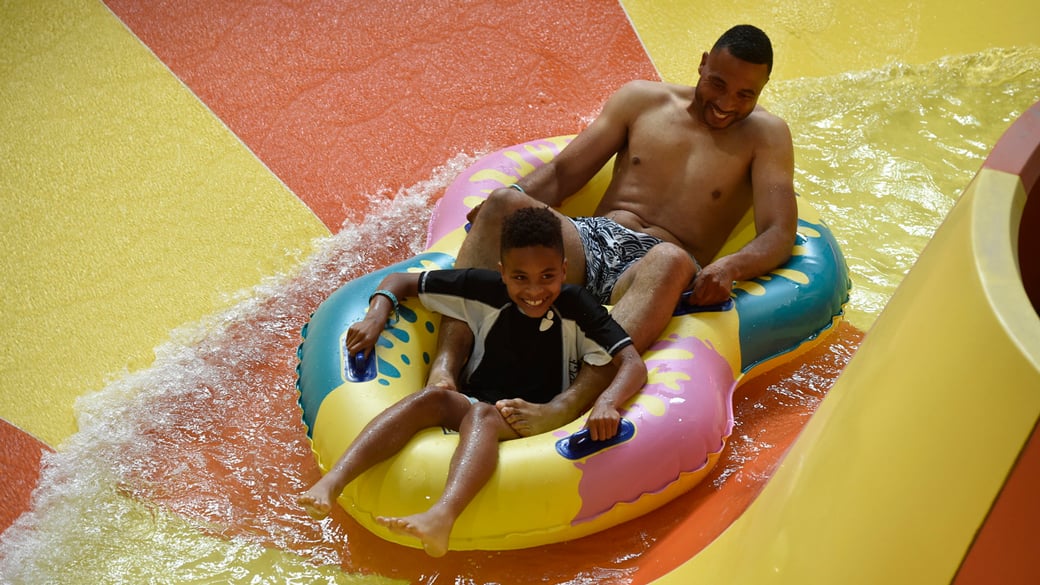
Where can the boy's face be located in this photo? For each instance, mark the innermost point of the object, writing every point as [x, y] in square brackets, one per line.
[533, 277]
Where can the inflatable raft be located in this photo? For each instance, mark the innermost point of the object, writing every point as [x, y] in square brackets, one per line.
[560, 485]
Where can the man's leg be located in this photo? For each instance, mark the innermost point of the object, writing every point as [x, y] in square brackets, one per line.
[482, 246]
[472, 465]
[384, 436]
[646, 294]
[454, 346]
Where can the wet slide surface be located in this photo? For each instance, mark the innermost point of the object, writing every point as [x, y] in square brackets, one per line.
[344, 105]
[336, 108]
[346, 100]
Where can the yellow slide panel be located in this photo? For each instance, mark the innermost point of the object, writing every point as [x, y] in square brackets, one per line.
[129, 209]
[893, 475]
[814, 38]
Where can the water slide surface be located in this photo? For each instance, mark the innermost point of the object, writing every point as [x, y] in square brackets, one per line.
[161, 160]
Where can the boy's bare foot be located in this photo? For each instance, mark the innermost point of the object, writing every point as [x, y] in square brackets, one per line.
[317, 501]
[430, 527]
[529, 418]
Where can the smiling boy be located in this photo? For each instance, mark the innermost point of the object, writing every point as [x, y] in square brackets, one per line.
[531, 333]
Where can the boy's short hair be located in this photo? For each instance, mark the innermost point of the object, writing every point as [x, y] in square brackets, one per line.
[532, 226]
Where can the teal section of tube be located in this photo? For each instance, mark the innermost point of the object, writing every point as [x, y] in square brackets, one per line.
[321, 368]
[791, 312]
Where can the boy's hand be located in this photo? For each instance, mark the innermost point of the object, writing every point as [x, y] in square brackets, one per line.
[471, 215]
[363, 335]
[603, 422]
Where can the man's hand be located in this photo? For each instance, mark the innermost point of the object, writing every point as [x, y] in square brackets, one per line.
[712, 285]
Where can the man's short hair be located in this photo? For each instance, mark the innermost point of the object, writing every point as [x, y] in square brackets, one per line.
[747, 43]
[532, 226]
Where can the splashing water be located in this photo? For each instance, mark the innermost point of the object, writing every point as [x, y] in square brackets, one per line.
[885, 154]
[186, 471]
[219, 400]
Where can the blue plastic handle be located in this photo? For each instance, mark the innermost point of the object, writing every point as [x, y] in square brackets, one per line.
[683, 308]
[361, 367]
[580, 444]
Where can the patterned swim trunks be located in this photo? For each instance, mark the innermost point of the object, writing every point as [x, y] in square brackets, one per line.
[610, 249]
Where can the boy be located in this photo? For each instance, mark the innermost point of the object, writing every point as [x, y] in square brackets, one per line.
[530, 331]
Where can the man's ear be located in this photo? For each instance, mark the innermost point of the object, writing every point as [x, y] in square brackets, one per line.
[704, 60]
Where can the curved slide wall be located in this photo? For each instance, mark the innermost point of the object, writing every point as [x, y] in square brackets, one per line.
[931, 425]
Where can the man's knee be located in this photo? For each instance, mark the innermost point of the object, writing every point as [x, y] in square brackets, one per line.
[502, 202]
[670, 262]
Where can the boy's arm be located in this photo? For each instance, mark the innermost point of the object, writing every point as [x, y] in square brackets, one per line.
[605, 417]
[362, 336]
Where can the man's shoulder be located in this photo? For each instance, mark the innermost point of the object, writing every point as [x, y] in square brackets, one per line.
[640, 97]
[766, 119]
[768, 128]
[655, 89]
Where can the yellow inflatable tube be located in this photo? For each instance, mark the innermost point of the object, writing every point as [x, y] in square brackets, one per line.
[559, 486]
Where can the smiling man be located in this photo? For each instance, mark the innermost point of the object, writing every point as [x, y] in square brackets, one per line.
[690, 162]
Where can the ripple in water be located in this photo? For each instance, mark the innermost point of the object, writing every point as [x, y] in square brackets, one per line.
[885, 154]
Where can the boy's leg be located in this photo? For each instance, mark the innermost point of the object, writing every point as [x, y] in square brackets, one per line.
[472, 465]
[454, 346]
[532, 418]
[384, 436]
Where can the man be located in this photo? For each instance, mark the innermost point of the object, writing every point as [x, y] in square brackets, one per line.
[690, 162]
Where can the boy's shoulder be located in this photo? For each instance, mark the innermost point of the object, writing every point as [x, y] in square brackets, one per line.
[577, 299]
[461, 275]
[471, 283]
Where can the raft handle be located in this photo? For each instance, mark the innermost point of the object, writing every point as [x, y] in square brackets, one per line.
[580, 444]
[360, 367]
[683, 308]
